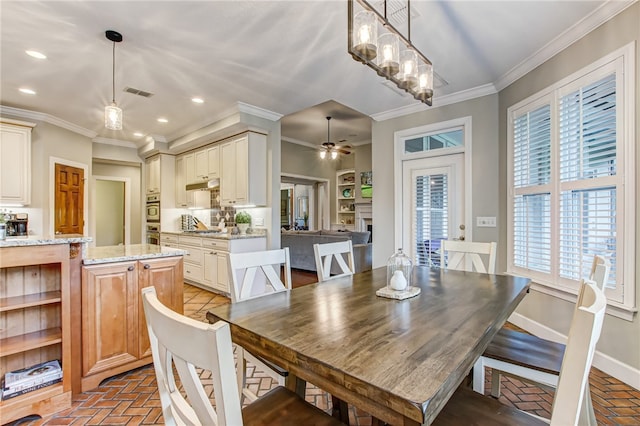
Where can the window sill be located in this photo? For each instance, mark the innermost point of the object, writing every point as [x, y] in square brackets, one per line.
[616, 310]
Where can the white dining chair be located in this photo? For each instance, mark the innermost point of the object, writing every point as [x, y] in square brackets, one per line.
[257, 274]
[338, 254]
[530, 358]
[468, 407]
[465, 256]
[186, 344]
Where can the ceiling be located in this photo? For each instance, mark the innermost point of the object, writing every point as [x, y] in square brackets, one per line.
[289, 57]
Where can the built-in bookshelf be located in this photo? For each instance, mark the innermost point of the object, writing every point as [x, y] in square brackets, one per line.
[345, 199]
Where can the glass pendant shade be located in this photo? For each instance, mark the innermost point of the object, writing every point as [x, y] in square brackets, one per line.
[365, 35]
[408, 74]
[323, 154]
[113, 117]
[334, 154]
[388, 54]
[424, 90]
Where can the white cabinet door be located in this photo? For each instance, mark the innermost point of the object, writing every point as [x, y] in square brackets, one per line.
[213, 161]
[228, 173]
[242, 171]
[181, 182]
[210, 266]
[190, 169]
[15, 163]
[222, 283]
[153, 175]
[201, 165]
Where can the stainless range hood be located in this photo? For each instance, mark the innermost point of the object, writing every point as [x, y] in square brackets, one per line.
[203, 186]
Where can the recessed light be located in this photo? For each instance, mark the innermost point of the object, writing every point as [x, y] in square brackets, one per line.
[35, 54]
[162, 120]
[197, 100]
[138, 134]
[27, 91]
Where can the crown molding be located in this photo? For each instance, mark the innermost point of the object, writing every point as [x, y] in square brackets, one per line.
[40, 116]
[589, 23]
[258, 112]
[299, 142]
[115, 142]
[438, 101]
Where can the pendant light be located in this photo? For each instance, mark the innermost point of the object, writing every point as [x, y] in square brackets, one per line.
[113, 114]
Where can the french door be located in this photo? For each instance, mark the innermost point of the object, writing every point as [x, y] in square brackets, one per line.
[432, 205]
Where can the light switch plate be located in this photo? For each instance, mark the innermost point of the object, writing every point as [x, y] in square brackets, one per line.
[486, 221]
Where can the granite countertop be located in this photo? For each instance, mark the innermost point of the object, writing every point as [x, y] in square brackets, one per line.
[219, 235]
[38, 240]
[110, 254]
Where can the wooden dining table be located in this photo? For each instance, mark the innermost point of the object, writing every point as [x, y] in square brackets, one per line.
[399, 360]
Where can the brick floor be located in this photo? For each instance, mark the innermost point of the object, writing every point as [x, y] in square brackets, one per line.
[132, 398]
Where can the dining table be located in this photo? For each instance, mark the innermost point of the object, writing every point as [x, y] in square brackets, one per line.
[399, 360]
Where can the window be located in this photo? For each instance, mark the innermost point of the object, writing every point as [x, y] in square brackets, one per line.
[440, 140]
[571, 180]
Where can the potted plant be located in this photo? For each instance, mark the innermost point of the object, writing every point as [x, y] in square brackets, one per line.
[243, 220]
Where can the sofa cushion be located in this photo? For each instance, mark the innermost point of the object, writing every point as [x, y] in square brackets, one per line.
[360, 237]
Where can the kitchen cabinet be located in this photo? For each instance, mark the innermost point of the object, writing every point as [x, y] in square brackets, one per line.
[206, 265]
[243, 177]
[114, 333]
[15, 162]
[35, 322]
[190, 168]
[181, 182]
[207, 163]
[153, 175]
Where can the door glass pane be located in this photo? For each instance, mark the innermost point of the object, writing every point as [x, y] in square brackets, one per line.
[432, 217]
[437, 141]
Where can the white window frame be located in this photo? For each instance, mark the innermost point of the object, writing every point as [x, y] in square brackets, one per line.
[621, 300]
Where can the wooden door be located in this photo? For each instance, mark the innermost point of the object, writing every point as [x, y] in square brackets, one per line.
[69, 201]
[165, 274]
[109, 316]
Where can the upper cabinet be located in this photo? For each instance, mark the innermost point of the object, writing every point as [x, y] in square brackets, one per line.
[243, 177]
[207, 164]
[181, 182]
[153, 175]
[15, 162]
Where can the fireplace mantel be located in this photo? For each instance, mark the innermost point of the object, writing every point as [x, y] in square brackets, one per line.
[363, 216]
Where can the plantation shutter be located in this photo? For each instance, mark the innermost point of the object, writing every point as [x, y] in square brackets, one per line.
[432, 217]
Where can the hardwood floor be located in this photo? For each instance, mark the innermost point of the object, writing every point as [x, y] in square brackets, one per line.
[132, 398]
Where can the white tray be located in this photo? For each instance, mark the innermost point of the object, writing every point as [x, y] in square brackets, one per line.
[399, 295]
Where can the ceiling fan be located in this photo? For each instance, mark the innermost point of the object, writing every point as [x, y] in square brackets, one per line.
[331, 148]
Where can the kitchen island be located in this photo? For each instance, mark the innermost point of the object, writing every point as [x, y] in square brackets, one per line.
[108, 315]
[207, 260]
[36, 278]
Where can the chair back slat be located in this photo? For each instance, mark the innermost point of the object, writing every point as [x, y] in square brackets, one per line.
[245, 279]
[600, 271]
[325, 255]
[188, 344]
[584, 333]
[456, 254]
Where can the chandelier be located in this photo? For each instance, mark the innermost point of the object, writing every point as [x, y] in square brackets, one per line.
[113, 114]
[375, 42]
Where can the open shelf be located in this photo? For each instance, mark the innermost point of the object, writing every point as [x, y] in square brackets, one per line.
[29, 341]
[30, 300]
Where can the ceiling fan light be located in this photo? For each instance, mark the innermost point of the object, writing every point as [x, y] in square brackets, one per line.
[323, 154]
[334, 154]
[113, 117]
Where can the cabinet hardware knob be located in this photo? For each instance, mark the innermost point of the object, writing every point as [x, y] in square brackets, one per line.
[147, 266]
[130, 268]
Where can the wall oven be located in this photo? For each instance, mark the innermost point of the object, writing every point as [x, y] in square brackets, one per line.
[153, 233]
[153, 208]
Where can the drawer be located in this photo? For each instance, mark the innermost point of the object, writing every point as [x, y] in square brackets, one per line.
[193, 272]
[169, 238]
[194, 255]
[191, 241]
[213, 243]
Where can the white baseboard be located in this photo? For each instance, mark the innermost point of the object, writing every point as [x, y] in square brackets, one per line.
[621, 371]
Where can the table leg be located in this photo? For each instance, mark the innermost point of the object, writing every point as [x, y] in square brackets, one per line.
[340, 409]
[296, 384]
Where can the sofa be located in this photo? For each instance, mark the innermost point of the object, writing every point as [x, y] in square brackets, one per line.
[301, 243]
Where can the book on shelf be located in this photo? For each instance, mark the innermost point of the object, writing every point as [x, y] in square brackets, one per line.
[8, 394]
[34, 375]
